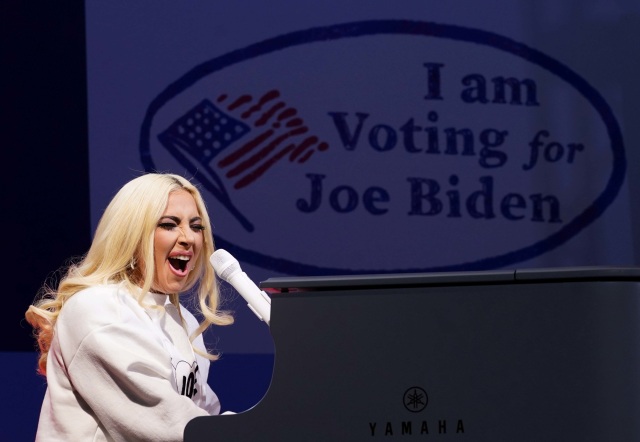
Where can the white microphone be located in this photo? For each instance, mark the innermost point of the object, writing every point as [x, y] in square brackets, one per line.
[228, 269]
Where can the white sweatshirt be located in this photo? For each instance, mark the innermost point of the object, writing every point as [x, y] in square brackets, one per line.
[117, 371]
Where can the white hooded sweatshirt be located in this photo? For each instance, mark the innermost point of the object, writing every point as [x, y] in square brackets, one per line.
[119, 372]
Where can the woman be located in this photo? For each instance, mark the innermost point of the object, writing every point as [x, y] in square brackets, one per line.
[123, 359]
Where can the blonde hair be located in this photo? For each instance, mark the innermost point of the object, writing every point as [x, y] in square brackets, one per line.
[122, 252]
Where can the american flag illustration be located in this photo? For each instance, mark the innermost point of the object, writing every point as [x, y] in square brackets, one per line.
[236, 140]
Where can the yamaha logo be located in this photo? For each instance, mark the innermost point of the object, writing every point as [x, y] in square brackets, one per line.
[415, 399]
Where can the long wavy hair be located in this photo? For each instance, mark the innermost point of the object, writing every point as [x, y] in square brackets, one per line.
[122, 252]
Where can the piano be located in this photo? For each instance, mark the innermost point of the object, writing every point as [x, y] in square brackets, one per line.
[508, 355]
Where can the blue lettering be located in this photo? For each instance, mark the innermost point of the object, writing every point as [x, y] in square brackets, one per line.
[349, 138]
[426, 200]
[417, 139]
[343, 198]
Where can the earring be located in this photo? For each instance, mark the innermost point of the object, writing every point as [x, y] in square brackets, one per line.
[132, 264]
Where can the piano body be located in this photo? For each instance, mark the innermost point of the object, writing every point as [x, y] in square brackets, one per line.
[513, 355]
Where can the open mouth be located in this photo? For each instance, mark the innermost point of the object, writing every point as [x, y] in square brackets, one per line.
[179, 263]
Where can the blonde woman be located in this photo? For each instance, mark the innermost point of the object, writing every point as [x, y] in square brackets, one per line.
[124, 360]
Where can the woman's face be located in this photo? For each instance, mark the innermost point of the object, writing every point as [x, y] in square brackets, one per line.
[177, 243]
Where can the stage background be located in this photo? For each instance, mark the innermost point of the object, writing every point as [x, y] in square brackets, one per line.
[416, 121]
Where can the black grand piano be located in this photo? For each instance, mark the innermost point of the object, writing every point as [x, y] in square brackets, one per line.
[513, 355]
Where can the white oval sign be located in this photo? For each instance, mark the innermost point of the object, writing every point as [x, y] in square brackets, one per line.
[389, 146]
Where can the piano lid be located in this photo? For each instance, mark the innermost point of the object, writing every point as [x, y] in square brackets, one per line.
[358, 282]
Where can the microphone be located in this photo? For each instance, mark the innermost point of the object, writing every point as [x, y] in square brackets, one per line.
[228, 269]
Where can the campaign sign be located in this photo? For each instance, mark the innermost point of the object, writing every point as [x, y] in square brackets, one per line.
[389, 146]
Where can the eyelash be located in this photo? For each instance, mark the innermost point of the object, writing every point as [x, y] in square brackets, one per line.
[171, 226]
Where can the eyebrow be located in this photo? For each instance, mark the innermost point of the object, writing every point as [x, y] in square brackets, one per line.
[177, 220]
